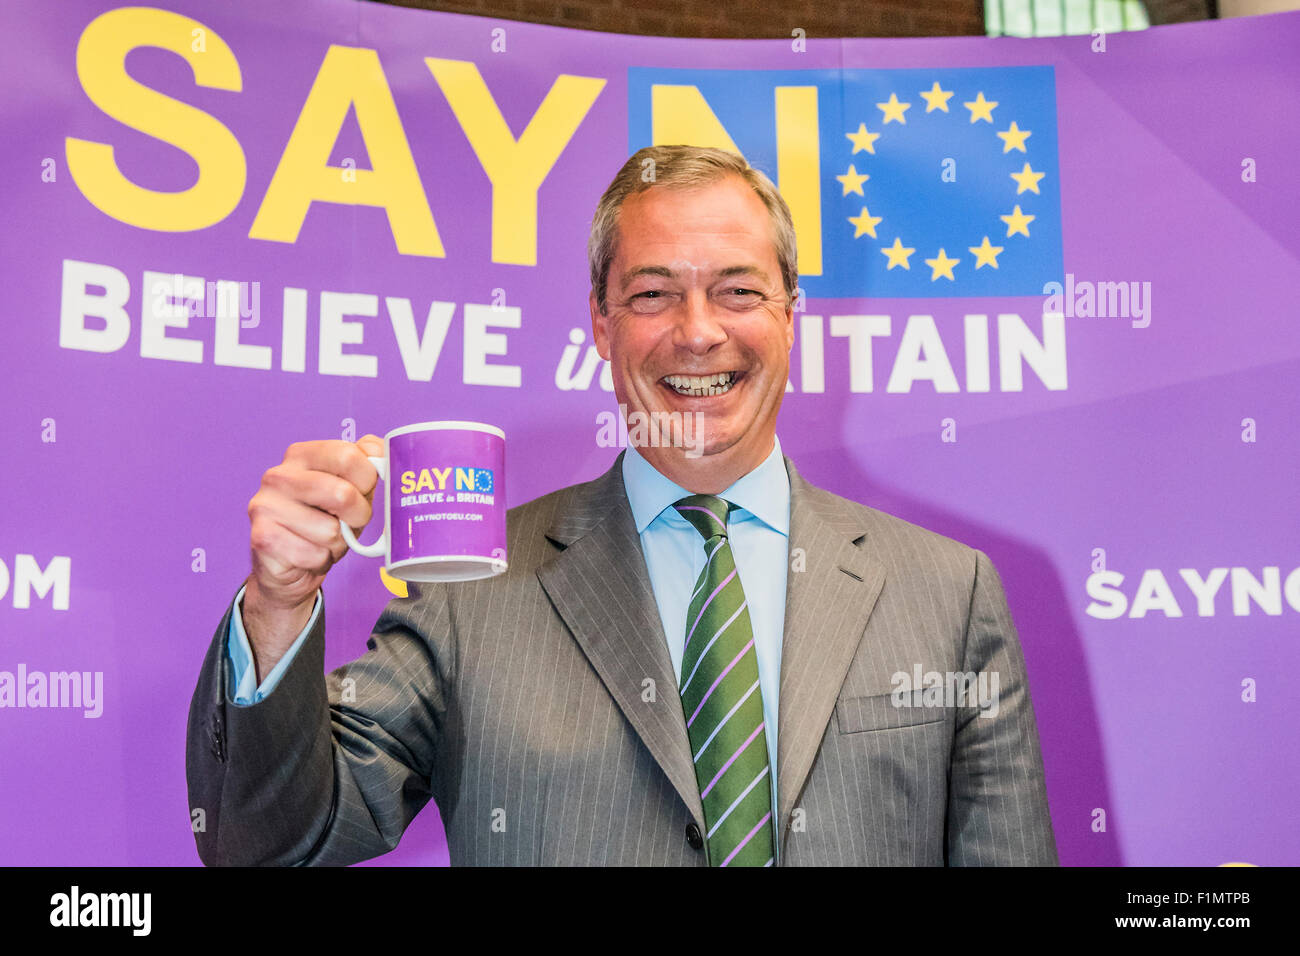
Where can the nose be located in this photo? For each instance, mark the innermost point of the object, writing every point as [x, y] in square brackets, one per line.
[699, 326]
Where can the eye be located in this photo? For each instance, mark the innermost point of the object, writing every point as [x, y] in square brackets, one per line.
[739, 297]
[650, 302]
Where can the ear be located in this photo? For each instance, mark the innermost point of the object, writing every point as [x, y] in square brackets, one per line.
[789, 327]
[599, 327]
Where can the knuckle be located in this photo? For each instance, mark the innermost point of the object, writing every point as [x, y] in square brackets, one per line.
[262, 538]
[275, 477]
[348, 456]
[341, 494]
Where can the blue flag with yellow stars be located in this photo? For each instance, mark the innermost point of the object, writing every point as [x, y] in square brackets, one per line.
[927, 182]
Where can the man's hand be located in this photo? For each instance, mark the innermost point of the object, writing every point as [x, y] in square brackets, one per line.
[296, 539]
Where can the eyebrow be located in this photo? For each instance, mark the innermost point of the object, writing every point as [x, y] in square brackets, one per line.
[666, 273]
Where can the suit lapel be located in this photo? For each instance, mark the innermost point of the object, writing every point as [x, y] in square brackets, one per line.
[831, 590]
[601, 588]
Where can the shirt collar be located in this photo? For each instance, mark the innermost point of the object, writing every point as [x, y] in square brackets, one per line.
[764, 493]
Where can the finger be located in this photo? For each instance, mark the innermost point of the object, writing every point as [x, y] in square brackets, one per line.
[371, 445]
[343, 459]
[327, 493]
[308, 522]
[281, 554]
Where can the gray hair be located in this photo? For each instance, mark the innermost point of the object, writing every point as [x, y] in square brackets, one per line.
[684, 166]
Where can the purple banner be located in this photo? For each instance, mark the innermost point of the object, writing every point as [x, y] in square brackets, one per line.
[233, 227]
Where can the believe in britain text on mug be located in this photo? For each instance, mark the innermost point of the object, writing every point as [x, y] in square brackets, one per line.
[444, 502]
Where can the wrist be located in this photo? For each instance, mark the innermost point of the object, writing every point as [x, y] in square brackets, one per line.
[261, 604]
[271, 626]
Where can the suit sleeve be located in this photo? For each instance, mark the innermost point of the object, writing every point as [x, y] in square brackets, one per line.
[327, 769]
[997, 799]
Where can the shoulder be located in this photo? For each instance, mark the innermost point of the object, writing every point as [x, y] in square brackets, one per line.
[539, 528]
[586, 498]
[900, 545]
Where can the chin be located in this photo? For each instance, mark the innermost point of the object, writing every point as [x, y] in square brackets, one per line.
[714, 445]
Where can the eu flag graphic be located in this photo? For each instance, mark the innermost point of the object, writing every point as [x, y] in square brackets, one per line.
[903, 183]
[483, 480]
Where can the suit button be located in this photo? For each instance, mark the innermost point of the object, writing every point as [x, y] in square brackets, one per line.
[693, 836]
[218, 740]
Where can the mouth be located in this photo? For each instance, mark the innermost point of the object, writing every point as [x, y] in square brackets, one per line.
[702, 386]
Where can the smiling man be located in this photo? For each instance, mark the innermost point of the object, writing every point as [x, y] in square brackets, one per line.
[694, 313]
[693, 659]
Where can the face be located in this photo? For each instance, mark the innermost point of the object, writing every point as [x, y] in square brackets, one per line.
[695, 292]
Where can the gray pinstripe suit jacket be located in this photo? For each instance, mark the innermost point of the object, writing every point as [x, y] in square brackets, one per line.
[521, 705]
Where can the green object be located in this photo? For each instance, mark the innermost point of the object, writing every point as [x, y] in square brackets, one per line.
[722, 700]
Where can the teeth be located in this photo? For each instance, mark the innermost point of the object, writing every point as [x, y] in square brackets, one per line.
[701, 385]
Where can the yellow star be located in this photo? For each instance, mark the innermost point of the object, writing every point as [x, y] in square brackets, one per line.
[865, 223]
[898, 254]
[980, 108]
[936, 99]
[942, 266]
[985, 254]
[852, 181]
[1017, 222]
[1027, 179]
[894, 110]
[863, 140]
[1014, 138]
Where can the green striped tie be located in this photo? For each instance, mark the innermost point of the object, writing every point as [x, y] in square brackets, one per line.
[722, 700]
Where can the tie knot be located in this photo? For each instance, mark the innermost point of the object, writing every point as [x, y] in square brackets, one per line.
[708, 513]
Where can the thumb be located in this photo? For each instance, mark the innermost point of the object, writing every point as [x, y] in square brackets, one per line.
[372, 445]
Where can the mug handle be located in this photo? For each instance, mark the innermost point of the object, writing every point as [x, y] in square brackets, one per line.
[380, 547]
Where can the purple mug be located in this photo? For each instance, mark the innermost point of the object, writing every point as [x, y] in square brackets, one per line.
[444, 502]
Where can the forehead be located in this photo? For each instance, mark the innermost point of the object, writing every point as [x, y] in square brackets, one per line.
[707, 226]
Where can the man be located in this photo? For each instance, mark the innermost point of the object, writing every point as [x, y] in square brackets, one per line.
[694, 659]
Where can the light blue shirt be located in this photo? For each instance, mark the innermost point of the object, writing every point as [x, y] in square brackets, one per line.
[243, 675]
[759, 533]
[674, 555]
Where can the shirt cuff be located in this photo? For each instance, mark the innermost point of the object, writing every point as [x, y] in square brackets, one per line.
[242, 673]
